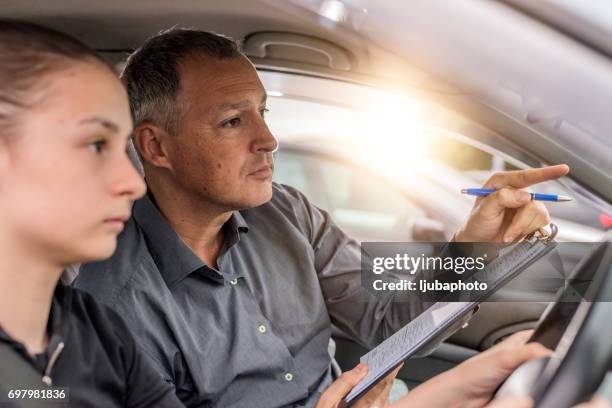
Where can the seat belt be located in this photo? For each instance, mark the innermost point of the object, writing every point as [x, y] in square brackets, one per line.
[18, 374]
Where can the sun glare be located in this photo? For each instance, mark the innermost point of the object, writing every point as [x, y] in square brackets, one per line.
[395, 139]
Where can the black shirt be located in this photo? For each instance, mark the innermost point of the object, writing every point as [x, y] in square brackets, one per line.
[93, 354]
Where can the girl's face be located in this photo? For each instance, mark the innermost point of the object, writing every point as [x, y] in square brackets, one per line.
[66, 183]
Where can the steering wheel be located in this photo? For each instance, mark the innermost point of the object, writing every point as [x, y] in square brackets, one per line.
[579, 332]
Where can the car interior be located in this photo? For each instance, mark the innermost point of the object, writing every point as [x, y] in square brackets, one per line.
[357, 87]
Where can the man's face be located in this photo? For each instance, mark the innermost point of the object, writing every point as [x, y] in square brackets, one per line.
[222, 151]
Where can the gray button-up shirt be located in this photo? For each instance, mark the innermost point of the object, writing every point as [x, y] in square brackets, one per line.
[255, 332]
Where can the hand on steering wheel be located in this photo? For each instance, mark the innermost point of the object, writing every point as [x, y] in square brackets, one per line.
[472, 383]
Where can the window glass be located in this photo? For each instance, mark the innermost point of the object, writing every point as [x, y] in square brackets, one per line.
[363, 205]
[298, 171]
[478, 165]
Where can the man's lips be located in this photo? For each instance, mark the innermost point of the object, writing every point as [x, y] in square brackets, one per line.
[263, 171]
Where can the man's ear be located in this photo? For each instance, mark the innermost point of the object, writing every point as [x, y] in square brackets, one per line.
[151, 142]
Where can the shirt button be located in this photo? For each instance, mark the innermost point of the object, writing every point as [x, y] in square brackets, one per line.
[288, 377]
[261, 328]
[233, 281]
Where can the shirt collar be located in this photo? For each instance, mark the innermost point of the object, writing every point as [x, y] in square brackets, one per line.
[238, 222]
[233, 227]
[174, 259]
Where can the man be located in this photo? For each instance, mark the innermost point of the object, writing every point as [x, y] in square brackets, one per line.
[231, 282]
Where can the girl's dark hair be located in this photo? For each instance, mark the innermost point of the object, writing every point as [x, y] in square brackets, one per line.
[28, 53]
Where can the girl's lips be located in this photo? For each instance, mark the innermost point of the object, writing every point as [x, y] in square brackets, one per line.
[121, 218]
[117, 223]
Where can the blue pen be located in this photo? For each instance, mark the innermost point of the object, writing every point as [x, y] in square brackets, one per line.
[483, 192]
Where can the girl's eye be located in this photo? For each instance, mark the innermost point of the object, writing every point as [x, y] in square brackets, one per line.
[231, 123]
[97, 146]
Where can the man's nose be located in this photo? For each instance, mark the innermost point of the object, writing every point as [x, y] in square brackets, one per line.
[265, 141]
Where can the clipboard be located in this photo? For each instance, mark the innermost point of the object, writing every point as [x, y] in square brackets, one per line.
[443, 318]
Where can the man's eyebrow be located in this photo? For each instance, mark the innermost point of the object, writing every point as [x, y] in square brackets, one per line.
[241, 104]
[107, 124]
[234, 105]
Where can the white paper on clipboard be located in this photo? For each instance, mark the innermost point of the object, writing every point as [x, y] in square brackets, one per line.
[406, 342]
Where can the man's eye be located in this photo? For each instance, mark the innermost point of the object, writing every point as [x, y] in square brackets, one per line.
[97, 146]
[263, 112]
[231, 123]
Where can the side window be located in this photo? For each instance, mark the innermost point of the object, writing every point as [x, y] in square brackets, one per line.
[296, 170]
[288, 170]
[580, 219]
[365, 206]
[361, 204]
[349, 187]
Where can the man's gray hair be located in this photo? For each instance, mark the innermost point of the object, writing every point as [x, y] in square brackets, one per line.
[151, 73]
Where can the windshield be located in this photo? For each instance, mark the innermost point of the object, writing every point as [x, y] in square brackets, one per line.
[378, 160]
[526, 72]
[596, 12]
